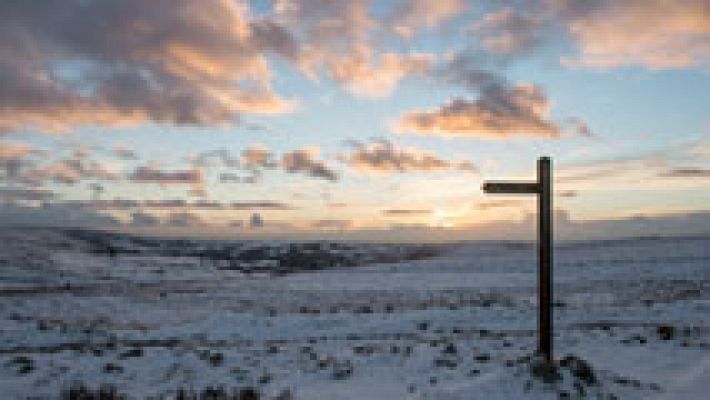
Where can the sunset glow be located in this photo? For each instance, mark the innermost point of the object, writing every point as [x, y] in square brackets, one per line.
[320, 118]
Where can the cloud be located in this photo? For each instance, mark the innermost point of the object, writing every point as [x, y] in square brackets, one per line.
[652, 34]
[97, 188]
[51, 215]
[649, 170]
[69, 171]
[631, 170]
[144, 219]
[121, 204]
[383, 156]
[568, 194]
[220, 157]
[332, 224]
[499, 112]
[413, 15]
[123, 62]
[686, 173]
[257, 157]
[14, 158]
[466, 165]
[232, 177]
[59, 172]
[305, 161]
[147, 174]
[124, 153]
[507, 31]
[14, 150]
[406, 212]
[342, 40]
[366, 74]
[256, 221]
[655, 34]
[260, 205]
[183, 219]
[491, 204]
[24, 194]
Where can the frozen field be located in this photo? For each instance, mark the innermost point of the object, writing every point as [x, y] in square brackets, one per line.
[632, 319]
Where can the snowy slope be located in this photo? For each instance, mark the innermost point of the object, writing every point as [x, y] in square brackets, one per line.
[450, 322]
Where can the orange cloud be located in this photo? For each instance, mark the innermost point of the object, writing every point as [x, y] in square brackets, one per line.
[384, 157]
[499, 112]
[184, 62]
[69, 172]
[304, 160]
[154, 175]
[413, 15]
[507, 31]
[341, 40]
[655, 34]
[14, 150]
[364, 73]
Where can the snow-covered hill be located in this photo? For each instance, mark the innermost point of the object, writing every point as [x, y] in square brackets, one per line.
[148, 317]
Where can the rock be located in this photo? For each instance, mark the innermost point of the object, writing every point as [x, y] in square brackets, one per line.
[580, 388]
[363, 310]
[79, 391]
[111, 368]
[449, 349]
[248, 394]
[23, 365]
[445, 362]
[621, 380]
[132, 353]
[342, 370]
[43, 325]
[580, 369]
[665, 332]
[213, 393]
[363, 349]
[216, 359]
[547, 371]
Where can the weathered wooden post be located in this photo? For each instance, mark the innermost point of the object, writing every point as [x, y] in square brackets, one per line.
[543, 189]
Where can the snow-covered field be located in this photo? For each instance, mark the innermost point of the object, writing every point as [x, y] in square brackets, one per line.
[632, 320]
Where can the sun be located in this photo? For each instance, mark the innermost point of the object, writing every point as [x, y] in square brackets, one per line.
[441, 219]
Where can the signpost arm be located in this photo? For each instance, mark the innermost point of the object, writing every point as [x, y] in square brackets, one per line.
[545, 256]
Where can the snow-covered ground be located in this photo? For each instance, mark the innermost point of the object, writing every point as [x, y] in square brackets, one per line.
[632, 320]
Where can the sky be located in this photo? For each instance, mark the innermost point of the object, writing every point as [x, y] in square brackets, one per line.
[370, 120]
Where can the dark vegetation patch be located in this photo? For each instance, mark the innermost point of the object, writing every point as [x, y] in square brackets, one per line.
[81, 391]
[22, 365]
[253, 256]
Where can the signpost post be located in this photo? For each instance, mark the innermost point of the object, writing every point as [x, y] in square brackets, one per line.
[543, 189]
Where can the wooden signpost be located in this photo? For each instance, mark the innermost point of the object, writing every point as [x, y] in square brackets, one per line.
[543, 189]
